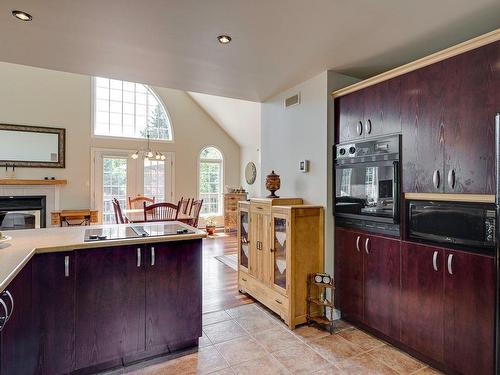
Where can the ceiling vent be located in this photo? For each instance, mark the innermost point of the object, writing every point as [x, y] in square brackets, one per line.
[292, 100]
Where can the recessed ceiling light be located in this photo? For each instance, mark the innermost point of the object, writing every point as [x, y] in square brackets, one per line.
[23, 16]
[224, 39]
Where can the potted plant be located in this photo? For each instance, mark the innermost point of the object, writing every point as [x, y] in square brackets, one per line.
[210, 225]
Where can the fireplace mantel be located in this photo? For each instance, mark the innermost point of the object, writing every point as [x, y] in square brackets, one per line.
[15, 181]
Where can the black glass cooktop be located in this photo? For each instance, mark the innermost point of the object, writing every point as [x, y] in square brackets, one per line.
[119, 232]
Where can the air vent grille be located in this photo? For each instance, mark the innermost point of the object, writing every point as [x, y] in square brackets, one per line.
[292, 100]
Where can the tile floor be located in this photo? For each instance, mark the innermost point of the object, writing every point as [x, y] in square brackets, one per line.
[250, 340]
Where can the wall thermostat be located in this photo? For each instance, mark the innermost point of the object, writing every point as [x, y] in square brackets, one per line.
[304, 166]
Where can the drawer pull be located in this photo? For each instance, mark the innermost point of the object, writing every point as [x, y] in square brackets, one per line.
[434, 261]
[277, 300]
[243, 279]
[450, 264]
[357, 243]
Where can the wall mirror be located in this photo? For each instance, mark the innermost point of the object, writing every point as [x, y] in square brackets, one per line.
[32, 146]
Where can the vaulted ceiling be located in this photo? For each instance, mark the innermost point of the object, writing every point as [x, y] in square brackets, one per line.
[276, 43]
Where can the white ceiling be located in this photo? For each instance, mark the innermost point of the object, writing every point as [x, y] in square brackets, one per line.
[239, 118]
[276, 43]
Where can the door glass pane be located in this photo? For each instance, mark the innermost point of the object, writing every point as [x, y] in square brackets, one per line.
[210, 188]
[114, 186]
[244, 239]
[154, 179]
[280, 252]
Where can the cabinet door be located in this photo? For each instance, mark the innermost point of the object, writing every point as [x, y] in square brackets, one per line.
[382, 108]
[351, 107]
[110, 299]
[422, 308]
[469, 312]
[423, 105]
[173, 295]
[280, 243]
[54, 298]
[255, 222]
[18, 346]
[243, 239]
[382, 272]
[349, 273]
[260, 263]
[472, 80]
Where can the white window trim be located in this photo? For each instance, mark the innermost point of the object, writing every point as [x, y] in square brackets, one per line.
[100, 136]
[223, 172]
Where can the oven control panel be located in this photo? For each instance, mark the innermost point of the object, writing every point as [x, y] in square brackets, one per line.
[371, 149]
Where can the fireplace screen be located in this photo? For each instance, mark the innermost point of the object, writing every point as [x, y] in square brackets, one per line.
[12, 220]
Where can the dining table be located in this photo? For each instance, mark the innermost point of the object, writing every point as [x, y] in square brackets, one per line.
[136, 215]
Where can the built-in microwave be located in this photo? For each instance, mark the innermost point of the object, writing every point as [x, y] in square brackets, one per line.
[470, 225]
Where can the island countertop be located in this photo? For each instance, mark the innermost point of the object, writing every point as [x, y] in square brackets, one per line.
[16, 253]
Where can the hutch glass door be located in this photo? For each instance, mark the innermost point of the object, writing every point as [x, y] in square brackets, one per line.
[280, 252]
[243, 238]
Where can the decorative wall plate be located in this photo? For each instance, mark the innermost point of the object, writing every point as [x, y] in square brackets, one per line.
[250, 173]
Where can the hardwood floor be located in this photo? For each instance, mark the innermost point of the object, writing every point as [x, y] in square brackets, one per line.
[220, 282]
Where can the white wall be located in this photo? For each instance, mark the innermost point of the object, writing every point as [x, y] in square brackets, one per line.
[251, 154]
[304, 131]
[33, 96]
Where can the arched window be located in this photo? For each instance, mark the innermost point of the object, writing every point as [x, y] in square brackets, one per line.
[211, 176]
[130, 110]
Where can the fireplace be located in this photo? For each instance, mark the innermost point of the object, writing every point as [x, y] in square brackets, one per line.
[22, 212]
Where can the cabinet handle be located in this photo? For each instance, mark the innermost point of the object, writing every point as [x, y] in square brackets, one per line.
[366, 245]
[277, 300]
[138, 257]
[271, 250]
[3, 319]
[153, 255]
[368, 125]
[7, 293]
[359, 128]
[434, 261]
[243, 279]
[450, 264]
[451, 179]
[436, 180]
[357, 243]
[66, 266]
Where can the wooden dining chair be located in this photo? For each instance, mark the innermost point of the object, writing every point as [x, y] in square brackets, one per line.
[184, 205]
[160, 212]
[118, 212]
[137, 202]
[195, 212]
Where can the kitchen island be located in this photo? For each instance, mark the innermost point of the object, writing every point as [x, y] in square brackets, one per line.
[79, 305]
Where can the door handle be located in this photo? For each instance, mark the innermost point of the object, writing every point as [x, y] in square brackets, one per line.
[434, 261]
[357, 243]
[451, 179]
[138, 257]
[368, 125]
[436, 179]
[366, 245]
[278, 301]
[153, 255]
[450, 264]
[7, 293]
[359, 128]
[3, 319]
[66, 266]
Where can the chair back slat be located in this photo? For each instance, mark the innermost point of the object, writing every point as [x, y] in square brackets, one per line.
[195, 212]
[138, 201]
[184, 205]
[118, 212]
[160, 212]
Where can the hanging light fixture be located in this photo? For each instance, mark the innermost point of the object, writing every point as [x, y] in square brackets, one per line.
[148, 153]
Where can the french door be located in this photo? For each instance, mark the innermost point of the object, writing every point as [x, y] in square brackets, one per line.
[116, 175]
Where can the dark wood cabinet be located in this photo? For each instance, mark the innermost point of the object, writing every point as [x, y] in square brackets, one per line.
[54, 298]
[349, 273]
[173, 274]
[422, 306]
[17, 341]
[110, 314]
[469, 309]
[382, 272]
[350, 116]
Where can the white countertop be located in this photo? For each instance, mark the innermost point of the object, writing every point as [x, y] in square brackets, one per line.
[15, 254]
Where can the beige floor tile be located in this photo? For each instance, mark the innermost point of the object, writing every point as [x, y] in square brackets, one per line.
[360, 338]
[330, 370]
[204, 341]
[399, 361]
[226, 371]
[223, 331]
[277, 339]
[341, 325]
[241, 350]
[306, 333]
[245, 310]
[365, 364]
[335, 348]
[215, 317]
[261, 366]
[301, 360]
[427, 371]
[256, 323]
